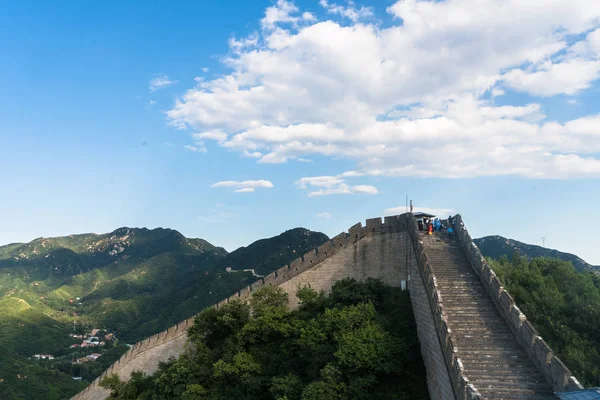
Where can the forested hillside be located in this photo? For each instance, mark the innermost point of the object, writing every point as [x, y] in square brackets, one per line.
[358, 343]
[498, 246]
[562, 304]
[131, 282]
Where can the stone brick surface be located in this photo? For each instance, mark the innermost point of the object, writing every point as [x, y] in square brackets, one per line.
[380, 256]
[438, 380]
[388, 250]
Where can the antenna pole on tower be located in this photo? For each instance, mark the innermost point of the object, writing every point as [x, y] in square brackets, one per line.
[543, 241]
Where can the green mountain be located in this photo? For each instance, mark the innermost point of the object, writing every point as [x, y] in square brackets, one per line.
[133, 282]
[563, 305]
[498, 246]
[267, 255]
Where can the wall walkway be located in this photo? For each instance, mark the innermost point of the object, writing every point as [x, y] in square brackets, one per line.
[390, 250]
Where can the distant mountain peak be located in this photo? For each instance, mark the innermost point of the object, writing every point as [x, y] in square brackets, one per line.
[496, 246]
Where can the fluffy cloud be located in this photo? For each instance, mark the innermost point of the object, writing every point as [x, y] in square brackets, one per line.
[217, 135]
[160, 82]
[282, 13]
[568, 77]
[327, 185]
[350, 11]
[420, 99]
[244, 186]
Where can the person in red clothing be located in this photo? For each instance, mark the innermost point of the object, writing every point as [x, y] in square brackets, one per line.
[430, 228]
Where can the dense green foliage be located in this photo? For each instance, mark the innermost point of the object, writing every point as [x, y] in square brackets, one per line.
[498, 246]
[358, 343]
[134, 282]
[23, 379]
[562, 304]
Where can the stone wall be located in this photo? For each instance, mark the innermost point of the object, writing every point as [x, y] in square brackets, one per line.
[380, 249]
[445, 373]
[553, 369]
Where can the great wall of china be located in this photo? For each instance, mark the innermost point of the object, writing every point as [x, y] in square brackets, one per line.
[476, 349]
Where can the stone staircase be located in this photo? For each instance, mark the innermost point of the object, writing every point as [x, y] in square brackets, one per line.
[493, 360]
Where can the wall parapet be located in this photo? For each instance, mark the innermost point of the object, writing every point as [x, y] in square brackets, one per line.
[542, 355]
[463, 389]
[373, 226]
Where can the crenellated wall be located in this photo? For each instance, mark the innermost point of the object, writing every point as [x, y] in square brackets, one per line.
[437, 345]
[380, 249]
[542, 355]
[392, 251]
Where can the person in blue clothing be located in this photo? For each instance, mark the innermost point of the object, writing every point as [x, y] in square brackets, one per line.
[437, 224]
[450, 226]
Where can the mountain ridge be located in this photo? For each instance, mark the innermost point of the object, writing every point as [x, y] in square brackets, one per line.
[496, 246]
[134, 282]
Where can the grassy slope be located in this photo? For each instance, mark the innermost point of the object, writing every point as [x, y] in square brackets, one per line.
[156, 279]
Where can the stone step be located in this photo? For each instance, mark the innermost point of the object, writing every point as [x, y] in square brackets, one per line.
[486, 343]
[468, 342]
[474, 308]
[487, 353]
[505, 375]
[475, 294]
[467, 318]
[508, 393]
[492, 357]
[457, 281]
[478, 317]
[496, 384]
[459, 331]
[465, 297]
[500, 367]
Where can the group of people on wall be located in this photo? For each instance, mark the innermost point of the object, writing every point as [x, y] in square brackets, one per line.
[430, 223]
[434, 224]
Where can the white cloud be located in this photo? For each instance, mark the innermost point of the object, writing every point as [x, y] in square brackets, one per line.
[568, 77]
[440, 212]
[497, 92]
[324, 215]
[198, 148]
[348, 12]
[307, 16]
[328, 185]
[239, 45]
[425, 83]
[279, 13]
[244, 186]
[205, 69]
[217, 135]
[160, 82]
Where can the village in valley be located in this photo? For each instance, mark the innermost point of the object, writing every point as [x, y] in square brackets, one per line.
[87, 347]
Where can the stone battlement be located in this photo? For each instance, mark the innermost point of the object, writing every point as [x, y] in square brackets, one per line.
[389, 249]
[553, 369]
[146, 355]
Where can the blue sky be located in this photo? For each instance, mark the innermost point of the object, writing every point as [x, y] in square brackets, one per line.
[322, 113]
